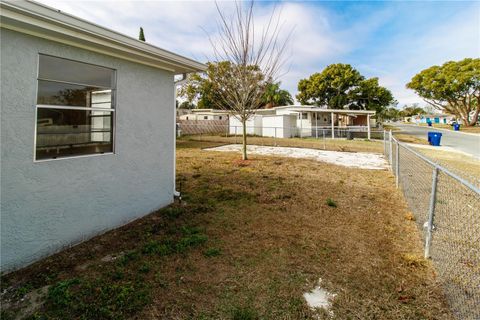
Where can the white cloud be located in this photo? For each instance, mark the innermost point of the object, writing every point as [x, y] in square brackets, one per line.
[320, 36]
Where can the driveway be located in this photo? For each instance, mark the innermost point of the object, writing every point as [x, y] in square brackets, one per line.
[467, 143]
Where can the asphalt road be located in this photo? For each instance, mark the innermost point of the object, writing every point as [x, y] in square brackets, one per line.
[467, 143]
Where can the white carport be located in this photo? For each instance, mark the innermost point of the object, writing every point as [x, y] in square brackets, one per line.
[334, 115]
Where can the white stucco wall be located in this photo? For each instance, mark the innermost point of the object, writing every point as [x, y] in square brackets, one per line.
[279, 126]
[46, 206]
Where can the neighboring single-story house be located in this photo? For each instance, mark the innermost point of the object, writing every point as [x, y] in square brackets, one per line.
[205, 114]
[433, 118]
[87, 130]
[182, 111]
[303, 121]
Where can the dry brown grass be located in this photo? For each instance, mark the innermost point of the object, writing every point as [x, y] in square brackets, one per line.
[410, 139]
[271, 235]
[357, 145]
[459, 163]
[474, 129]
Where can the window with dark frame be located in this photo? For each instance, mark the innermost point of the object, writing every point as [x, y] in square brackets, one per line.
[75, 109]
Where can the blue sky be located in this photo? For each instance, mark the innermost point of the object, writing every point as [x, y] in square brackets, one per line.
[390, 40]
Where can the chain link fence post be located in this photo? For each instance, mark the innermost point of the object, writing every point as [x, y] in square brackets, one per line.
[385, 142]
[431, 212]
[390, 156]
[397, 164]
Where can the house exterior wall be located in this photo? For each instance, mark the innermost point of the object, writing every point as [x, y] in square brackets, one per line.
[252, 124]
[322, 119]
[49, 205]
[279, 126]
[360, 120]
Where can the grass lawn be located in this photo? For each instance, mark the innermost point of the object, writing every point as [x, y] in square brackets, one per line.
[465, 166]
[249, 238]
[474, 129]
[356, 145]
[410, 139]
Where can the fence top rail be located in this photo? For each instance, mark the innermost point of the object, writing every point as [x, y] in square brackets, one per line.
[439, 167]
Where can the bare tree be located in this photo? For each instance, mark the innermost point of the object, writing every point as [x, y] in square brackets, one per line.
[256, 58]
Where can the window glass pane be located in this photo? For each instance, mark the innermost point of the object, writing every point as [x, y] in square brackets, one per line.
[53, 68]
[63, 133]
[64, 94]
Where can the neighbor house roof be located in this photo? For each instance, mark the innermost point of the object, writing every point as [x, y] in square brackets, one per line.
[45, 22]
[307, 108]
[210, 111]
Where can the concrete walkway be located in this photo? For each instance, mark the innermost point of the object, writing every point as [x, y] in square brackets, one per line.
[467, 143]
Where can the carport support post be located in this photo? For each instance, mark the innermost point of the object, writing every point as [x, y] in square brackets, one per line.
[274, 137]
[333, 126]
[368, 125]
[301, 124]
[431, 211]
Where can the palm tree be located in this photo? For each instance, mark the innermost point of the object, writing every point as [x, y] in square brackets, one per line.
[274, 96]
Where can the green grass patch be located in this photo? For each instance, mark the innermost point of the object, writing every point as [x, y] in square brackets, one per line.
[212, 252]
[159, 248]
[192, 240]
[331, 203]
[94, 299]
[244, 313]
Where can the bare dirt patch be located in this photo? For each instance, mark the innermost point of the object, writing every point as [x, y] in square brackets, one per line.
[246, 243]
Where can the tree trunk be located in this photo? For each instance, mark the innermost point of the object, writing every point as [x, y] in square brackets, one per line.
[244, 140]
[474, 119]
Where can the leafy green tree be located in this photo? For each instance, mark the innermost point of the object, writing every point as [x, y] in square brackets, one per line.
[369, 95]
[331, 87]
[186, 105]
[274, 96]
[453, 87]
[205, 88]
[141, 36]
[412, 110]
[340, 86]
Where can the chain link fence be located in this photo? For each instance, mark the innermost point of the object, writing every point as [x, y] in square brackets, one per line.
[446, 208]
[270, 135]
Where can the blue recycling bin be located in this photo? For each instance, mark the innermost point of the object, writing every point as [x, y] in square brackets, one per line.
[434, 138]
[456, 127]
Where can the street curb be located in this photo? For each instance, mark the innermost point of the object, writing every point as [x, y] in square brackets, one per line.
[446, 130]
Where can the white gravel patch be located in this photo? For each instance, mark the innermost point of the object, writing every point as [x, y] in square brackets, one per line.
[360, 160]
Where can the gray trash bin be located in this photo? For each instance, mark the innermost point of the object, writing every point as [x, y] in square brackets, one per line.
[349, 135]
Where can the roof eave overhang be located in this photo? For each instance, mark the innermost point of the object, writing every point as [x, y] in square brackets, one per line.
[44, 22]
